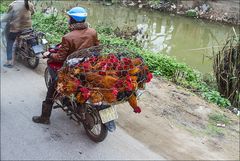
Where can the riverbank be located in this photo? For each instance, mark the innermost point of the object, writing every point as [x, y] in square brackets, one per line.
[213, 10]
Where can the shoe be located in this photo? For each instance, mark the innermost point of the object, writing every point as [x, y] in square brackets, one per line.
[46, 113]
[41, 120]
[8, 65]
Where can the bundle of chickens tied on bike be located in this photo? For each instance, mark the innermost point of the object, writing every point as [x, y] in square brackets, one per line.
[104, 79]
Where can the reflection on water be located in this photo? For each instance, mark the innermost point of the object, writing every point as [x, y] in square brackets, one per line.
[186, 39]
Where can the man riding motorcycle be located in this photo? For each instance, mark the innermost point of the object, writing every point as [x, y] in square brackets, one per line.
[80, 37]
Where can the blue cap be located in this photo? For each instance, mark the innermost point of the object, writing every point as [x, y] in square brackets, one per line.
[78, 13]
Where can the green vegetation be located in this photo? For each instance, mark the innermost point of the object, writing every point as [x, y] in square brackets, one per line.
[226, 70]
[216, 118]
[191, 13]
[54, 26]
[210, 128]
[213, 130]
[161, 65]
[4, 6]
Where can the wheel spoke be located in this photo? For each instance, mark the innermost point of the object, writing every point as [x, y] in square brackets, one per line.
[32, 61]
[96, 130]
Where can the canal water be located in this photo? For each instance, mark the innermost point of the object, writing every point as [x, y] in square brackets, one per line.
[191, 41]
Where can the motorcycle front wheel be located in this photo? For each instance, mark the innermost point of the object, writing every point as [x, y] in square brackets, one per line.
[47, 77]
[94, 128]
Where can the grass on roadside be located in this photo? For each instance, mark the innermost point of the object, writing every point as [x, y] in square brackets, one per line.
[218, 118]
[215, 119]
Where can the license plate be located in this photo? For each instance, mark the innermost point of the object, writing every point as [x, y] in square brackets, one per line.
[108, 114]
[38, 49]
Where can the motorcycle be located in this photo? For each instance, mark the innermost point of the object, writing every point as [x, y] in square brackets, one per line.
[29, 45]
[97, 120]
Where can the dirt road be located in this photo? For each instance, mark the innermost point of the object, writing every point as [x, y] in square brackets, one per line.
[179, 125]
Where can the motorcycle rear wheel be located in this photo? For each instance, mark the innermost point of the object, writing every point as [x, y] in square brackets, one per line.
[33, 62]
[98, 132]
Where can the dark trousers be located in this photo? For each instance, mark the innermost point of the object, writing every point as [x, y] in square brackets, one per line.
[49, 100]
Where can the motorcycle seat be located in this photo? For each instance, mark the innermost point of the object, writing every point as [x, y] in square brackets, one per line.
[26, 31]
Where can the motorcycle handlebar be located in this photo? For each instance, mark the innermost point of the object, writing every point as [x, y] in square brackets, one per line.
[41, 33]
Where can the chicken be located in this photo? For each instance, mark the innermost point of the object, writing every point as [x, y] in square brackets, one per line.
[96, 96]
[69, 86]
[104, 85]
[101, 81]
[105, 79]
[132, 100]
[134, 82]
[83, 95]
[109, 96]
[137, 61]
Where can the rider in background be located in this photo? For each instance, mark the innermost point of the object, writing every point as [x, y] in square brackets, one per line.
[18, 19]
[80, 37]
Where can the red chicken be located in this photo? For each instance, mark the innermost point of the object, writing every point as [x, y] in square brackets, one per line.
[105, 79]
